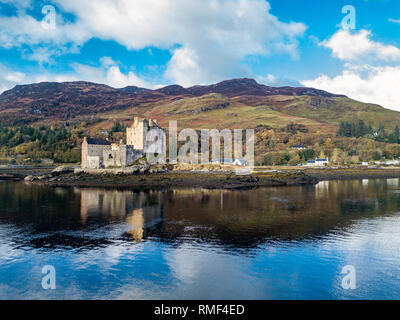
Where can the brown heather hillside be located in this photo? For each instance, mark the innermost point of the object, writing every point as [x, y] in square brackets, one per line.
[282, 116]
[70, 100]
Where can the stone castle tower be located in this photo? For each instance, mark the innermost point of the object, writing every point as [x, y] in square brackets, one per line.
[136, 134]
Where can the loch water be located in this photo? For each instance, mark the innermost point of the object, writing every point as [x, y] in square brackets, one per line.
[268, 243]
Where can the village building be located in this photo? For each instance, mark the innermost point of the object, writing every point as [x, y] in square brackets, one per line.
[240, 162]
[235, 162]
[317, 162]
[100, 153]
[299, 147]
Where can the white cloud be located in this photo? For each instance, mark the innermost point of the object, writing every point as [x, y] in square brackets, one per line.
[24, 29]
[271, 80]
[164, 23]
[107, 73]
[208, 39]
[185, 67]
[14, 76]
[371, 72]
[356, 46]
[19, 4]
[394, 20]
[9, 78]
[379, 85]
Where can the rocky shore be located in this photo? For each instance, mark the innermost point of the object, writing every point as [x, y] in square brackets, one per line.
[163, 177]
[144, 176]
[208, 180]
[326, 174]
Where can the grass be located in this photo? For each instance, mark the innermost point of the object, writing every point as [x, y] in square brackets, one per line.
[275, 112]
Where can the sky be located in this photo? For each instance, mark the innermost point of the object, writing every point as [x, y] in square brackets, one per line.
[347, 47]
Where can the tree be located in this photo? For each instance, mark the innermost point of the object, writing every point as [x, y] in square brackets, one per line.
[381, 128]
[307, 154]
[295, 160]
[328, 143]
[354, 129]
[271, 143]
[270, 159]
[336, 155]
[117, 127]
[377, 156]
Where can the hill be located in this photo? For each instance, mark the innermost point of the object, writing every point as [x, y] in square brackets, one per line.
[62, 101]
[282, 117]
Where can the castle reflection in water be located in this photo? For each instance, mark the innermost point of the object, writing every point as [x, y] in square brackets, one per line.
[144, 213]
[141, 211]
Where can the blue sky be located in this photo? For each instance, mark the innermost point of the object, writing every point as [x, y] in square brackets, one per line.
[152, 43]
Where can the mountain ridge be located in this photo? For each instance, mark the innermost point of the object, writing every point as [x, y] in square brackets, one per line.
[64, 100]
[232, 86]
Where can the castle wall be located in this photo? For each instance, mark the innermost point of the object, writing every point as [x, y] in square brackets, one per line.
[121, 156]
[93, 162]
[92, 155]
[84, 155]
[132, 155]
[95, 150]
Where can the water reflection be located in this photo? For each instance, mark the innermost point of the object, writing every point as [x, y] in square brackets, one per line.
[287, 242]
[230, 218]
[141, 211]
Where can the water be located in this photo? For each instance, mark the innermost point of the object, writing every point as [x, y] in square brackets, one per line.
[272, 243]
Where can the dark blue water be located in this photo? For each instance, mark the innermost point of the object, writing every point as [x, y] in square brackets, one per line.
[273, 243]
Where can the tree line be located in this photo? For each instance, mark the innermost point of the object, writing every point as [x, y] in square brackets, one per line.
[38, 143]
[358, 129]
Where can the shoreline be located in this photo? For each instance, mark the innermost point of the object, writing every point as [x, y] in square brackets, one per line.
[195, 179]
[215, 180]
[353, 173]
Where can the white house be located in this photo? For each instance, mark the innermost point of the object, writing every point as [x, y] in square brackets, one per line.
[392, 162]
[317, 162]
[321, 162]
[240, 162]
[236, 162]
[387, 163]
[299, 147]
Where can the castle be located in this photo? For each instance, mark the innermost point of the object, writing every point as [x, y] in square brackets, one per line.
[99, 153]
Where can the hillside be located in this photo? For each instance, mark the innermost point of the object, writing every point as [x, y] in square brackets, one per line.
[282, 116]
[62, 101]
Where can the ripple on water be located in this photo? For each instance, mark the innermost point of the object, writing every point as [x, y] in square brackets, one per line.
[277, 243]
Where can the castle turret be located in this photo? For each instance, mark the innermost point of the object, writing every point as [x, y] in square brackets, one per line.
[136, 134]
